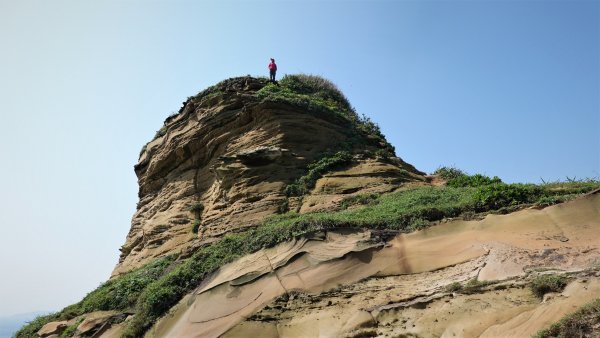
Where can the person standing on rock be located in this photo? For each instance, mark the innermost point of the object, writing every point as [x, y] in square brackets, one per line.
[272, 70]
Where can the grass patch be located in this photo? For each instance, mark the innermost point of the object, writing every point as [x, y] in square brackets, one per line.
[471, 287]
[493, 194]
[475, 286]
[398, 210]
[197, 209]
[314, 93]
[581, 323]
[500, 195]
[454, 287]
[543, 284]
[70, 330]
[322, 98]
[476, 180]
[315, 171]
[363, 199]
[457, 178]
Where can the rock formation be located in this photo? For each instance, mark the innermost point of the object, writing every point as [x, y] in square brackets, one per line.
[233, 154]
[276, 211]
[345, 286]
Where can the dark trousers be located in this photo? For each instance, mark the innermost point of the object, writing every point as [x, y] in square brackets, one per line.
[272, 75]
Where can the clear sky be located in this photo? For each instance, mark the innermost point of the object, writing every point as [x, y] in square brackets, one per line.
[507, 88]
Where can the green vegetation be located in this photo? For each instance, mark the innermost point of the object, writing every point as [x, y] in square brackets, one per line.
[119, 293]
[196, 208]
[364, 199]
[314, 93]
[471, 287]
[449, 173]
[219, 88]
[543, 284]
[493, 194]
[143, 150]
[582, 323]
[31, 328]
[496, 196]
[70, 330]
[458, 178]
[284, 206]
[454, 287]
[322, 98]
[315, 171]
[476, 180]
[161, 132]
[475, 286]
[401, 210]
[196, 225]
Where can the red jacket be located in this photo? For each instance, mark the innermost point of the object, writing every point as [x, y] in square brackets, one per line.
[272, 66]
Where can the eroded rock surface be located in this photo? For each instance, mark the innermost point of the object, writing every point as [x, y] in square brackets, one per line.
[53, 328]
[346, 284]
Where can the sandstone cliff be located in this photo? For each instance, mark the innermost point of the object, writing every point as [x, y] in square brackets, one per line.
[233, 153]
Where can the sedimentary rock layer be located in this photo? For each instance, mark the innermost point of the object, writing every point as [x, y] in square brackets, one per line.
[233, 155]
[341, 284]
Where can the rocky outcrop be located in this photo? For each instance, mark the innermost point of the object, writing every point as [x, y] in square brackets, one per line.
[53, 328]
[221, 165]
[354, 284]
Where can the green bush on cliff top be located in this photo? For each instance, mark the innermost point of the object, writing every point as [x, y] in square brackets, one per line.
[320, 97]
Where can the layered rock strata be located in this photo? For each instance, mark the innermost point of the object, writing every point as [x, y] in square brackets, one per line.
[221, 165]
[347, 285]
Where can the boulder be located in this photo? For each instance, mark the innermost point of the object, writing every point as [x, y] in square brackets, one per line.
[53, 328]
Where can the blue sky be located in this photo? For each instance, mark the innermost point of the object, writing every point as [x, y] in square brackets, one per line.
[507, 88]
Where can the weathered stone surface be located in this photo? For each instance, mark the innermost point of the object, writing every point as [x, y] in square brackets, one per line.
[364, 177]
[344, 285]
[235, 155]
[53, 328]
[96, 323]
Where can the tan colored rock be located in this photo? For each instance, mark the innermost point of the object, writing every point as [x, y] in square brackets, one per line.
[366, 176]
[96, 323]
[235, 155]
[53, 328]
[349, 287]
